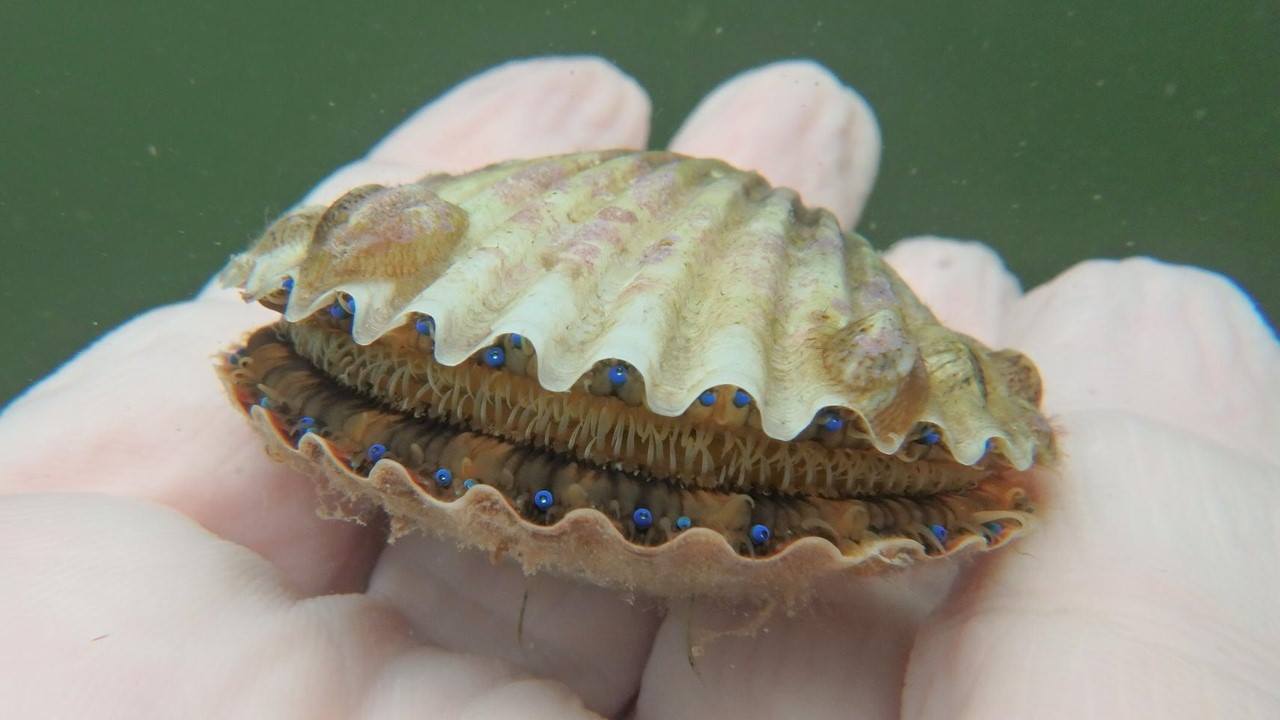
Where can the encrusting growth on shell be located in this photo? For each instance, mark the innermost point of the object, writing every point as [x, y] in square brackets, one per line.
[646, 370]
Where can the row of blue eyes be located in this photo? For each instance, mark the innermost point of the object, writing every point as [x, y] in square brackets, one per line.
[641, 517]
[496, 357]
[542, 499]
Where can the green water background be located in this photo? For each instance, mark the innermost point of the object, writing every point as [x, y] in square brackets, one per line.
[143, 142]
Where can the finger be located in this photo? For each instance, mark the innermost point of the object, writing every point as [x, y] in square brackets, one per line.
[588, 638]
[141, 413]
[526, 108]
[1139, 596]
[846, 651]
[797, 125]
[102, 594]
[592, 640]
[964, 283]
[1178, 345]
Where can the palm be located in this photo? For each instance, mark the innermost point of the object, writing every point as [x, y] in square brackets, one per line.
[155, 559]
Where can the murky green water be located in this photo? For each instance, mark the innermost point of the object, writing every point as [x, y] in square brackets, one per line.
[141, 143]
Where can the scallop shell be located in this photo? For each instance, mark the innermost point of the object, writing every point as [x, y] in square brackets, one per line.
[623, 290]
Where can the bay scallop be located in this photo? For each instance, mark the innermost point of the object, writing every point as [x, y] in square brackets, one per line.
[644, 370]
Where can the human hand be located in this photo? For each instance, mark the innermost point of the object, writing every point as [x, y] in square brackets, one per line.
[157, 563]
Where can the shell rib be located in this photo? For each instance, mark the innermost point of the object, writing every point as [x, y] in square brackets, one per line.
[687, 272]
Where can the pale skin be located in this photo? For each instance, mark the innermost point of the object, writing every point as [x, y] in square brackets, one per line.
[156, 563]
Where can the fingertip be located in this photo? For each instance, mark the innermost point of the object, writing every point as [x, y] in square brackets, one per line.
[964, 283]
[523, 108]
[795, 123]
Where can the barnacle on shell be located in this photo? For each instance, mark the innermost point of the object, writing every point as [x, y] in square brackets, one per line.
[646, 370]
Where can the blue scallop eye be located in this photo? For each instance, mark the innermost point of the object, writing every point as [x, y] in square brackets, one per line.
[468, 483]
[495, 356]
[760, 534]
[939, 532]
[344, 306]
[993, 527]
[543, 499]
[517, 341]
[264, 401]
[306, 424]
[642, 518]
[741, 398]
[831, 422]
[425, 326]
[618, 374]
[444, 477]
[683, 522]
[287, 284]
[930, 437]
[707, 398]
[375, 452]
